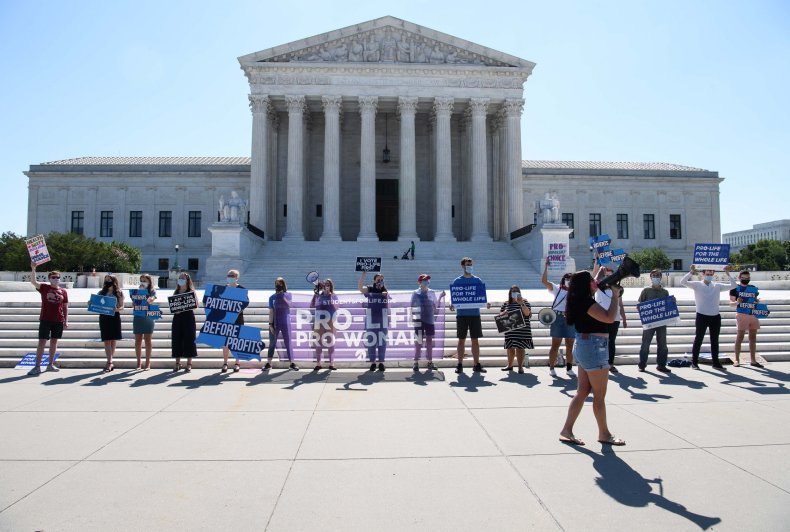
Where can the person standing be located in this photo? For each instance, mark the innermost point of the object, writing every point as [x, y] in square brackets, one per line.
[143, 326]
[604, 298]
[424, 305]
[280, 322]
[375, 319]
[110, 326]
[182, 330]
[517, 340]
[591, 353]
[745, 322]
[560, 329]
[53, 319]
[411, 249]
[325, 303]
[654, 291]
[468, 319]
[706, 298]
[232, 280]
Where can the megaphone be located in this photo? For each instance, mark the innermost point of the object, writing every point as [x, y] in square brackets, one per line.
[628, 268]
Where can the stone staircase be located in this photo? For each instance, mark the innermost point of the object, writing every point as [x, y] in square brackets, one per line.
[497, 263]
[81, 347]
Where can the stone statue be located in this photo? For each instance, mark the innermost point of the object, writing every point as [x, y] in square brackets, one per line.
[404, 51]
[388, 45]
[234, 210]
[549, 208]
[356, 54]
[436, 55]
[372, 53]
[340, 53]
[419, 53]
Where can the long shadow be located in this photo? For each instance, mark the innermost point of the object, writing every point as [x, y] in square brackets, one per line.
[308, 377]
[422, 379]
[567, 387]
[193, 384]
[674, 379]
[23, 376]
[631, 384]
[524, 379]
[155, 378]
[265, 377]
[103, 379]
[473, 383]
[626, 486]
[770, 373]
[762, 387]
[368, 378]
[71, 379]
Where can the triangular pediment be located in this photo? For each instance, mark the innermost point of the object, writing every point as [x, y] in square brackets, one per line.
[386, 40]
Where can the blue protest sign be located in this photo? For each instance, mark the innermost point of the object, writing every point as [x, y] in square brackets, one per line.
[618, 255]
[29, 360]
[600, 242]
[747, 296]
[153, 312]
[222, 305]
[658, 312]
[760, 311]
[711, 256]
[468, 293]
[139, 302]
[102, 304]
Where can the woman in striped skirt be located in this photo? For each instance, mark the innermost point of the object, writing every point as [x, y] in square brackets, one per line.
[517, 340]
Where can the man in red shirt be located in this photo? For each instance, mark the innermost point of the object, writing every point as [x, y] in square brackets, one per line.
[53, 319]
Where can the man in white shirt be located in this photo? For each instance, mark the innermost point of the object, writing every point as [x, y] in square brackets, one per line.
[707, 296]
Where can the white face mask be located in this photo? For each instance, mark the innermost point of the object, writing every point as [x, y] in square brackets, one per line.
[655, 280]
[143, 284]
[424, 285]
[469, 268]
[182, 282]
[515, 295]
[708, 278]
[54, 282]
[232, 280]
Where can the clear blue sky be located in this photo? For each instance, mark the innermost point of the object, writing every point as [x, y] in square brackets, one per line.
[702, 83]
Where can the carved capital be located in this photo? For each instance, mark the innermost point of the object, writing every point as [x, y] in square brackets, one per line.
[479, 106]
[407, 105]
[443, 105]
[259, 103]
[332, 104]
[368, 104]
[295, 104]
[514, 107]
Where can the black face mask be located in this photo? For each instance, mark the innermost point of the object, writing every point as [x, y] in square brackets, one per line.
[107, 283]
[745, 282]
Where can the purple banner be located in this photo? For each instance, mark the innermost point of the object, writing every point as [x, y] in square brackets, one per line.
[399, 319]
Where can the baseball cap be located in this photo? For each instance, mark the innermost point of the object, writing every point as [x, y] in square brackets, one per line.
[423, 277]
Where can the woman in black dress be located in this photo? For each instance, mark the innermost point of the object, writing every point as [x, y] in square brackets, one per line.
[110, 326]
[183, 328]
[517, 340]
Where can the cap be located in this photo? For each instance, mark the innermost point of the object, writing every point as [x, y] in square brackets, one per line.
[423, 277]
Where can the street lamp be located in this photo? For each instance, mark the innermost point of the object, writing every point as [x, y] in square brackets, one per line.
[175, 266]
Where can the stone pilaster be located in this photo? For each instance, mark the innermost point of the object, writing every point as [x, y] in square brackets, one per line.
[259, 164]
[479, 107]
[367, 169]
[331, 215]
[295, 175]
[407, 107]
[513, 176]
[443, 109]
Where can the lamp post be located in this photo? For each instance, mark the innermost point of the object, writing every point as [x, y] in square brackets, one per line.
[175, 266]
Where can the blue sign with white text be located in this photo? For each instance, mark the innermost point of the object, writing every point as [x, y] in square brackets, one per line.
[711, 256]
[658, 312]
[747, 299]
[468, 294]
[760, 311]
[102, 304]
[29, 360]
[222, 305]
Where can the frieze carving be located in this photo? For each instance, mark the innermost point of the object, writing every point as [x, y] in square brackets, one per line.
[420, 78]
[387, 45]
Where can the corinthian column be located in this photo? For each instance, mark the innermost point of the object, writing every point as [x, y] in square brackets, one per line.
[443, 107]
[295, 189]
[259, 164]
[480, 232]
[367, 169]
[513, 176]
[332, 106]
[407, 107]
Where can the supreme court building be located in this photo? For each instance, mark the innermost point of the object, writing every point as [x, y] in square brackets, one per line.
[381, 131]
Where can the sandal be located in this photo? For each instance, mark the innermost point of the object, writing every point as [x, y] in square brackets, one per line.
[108, 368]
[236, 368]
[189, 367]
[224, 368]
[147, 365]
[573, 440]
[177, 367]
[736, 364]
[617, 442]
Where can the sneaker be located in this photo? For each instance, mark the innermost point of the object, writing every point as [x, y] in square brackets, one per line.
[459, 368]
[317, 368]
[552, 373]
[694, 365]
[267, 366]
[381, 367]
[479, 368]
[431, 366]
[373, 367]
[663, 369]
[756, 365]
[570, 372]
[613, 369]
[294, 367]
[35, 372]
[641, 369]
[53, 368]
[717, 365]
[415, 367]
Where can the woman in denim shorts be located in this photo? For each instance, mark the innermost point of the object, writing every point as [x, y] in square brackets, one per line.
[560, 330]
[591, 351]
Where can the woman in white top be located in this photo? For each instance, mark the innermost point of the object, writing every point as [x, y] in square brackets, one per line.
[560, 329]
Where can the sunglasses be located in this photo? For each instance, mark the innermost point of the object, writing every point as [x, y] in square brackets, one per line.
[55, 278]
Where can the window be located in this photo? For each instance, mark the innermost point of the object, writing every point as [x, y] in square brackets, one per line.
[106, 224]
[135, 224]
[595, 224]
[193, 264]
[622, 226]
[452, 211]
[285, 210]
[194, 223]
[674, 226]
[649, 221]
[677, 265]
[319, 211]
[165, 223]
[164, 264]
[567, 219]
[78, 222]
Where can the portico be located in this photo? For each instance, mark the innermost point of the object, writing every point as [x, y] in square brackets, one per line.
[325, 108]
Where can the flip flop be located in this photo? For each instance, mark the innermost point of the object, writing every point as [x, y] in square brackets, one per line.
[617, 442]
[571, 441]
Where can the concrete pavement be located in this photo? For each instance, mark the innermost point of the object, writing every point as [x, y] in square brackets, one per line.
[81, 450]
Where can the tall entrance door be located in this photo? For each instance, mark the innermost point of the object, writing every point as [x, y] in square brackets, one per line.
[387, 223]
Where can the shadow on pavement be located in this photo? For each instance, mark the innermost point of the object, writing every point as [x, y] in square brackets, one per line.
[626, 486]
[473, 383]
[524, 379]
[71, 379]
[762, 387]
[631, 384]
[103, 379]
[567, 387]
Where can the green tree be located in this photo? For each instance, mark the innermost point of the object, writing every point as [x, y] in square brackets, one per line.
[13, 253]
[765, 255]
[650, 258]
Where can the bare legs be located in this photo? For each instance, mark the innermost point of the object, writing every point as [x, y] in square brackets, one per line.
[138, 348]
[41, 347]
[595, 382]
[109, 352]
[739, 341]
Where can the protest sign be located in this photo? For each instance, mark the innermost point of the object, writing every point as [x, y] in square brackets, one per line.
[747, 296]
[760, 311]
[29, 360]
[557, 256]
[222, 305]
[514, 319]
[37, 249]
[464, 294]
[711, 256]
[604, 254]
[182, 302]
[600, 242]
[658, 312]
[368, 264]
[102, 304]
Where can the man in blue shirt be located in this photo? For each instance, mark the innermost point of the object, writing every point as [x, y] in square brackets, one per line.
[468, 319]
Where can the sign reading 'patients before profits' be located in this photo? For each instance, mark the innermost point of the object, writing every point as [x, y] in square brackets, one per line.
[182, 302]
[37, 249]
[658, 312]
[222, 305]
[99, 304]
[368, 264]
[141, 307]
[711, 256]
